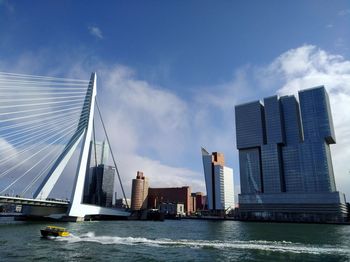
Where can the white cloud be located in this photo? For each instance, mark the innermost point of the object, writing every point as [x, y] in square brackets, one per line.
[95, 31]
[309, 66]
[344, 12]
[156, 131]
[149, 128]
[146, 115]
[160, 175]
[300, 68]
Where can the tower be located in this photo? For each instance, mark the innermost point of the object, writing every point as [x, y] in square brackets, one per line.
[218, 181]
[139, 192]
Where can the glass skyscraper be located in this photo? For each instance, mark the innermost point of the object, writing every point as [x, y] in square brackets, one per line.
[99, 178]
[285, 162]
[99, 189]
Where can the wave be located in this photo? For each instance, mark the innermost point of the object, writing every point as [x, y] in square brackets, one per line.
[273, 246]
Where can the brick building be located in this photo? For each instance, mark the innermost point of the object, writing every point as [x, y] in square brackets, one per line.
[181, 195]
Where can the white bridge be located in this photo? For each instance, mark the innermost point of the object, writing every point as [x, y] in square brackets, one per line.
[43, 120]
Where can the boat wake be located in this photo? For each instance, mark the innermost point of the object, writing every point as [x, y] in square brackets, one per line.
[272, 246]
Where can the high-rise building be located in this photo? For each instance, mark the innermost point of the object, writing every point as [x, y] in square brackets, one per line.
[100, 189]
[218, 181]
[102, 152]
[139, 192]
[286, 170]
[99, 179]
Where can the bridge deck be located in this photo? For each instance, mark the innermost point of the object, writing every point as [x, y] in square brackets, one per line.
[32, 202]
[10, 214]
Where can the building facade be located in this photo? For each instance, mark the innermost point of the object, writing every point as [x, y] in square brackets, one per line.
[200, 200]
[99, 178]
[177, 195]
[218, 181]
[172, 209]
[139, 192]
[99, 189]
[102, 152]
[286, 170]
[193, 203]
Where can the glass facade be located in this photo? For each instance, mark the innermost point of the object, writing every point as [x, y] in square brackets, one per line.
[250, 173]
[250, 128]
[273, 119]
[284, 148]
[273, 180]
[99, 188]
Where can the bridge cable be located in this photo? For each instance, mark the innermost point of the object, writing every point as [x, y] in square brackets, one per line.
[37, 120]
[47, 139]
[110, 149]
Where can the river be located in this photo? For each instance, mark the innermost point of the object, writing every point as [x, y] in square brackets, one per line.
[176, 240]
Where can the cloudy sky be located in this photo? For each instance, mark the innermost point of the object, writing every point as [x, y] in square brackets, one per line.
[170, 73]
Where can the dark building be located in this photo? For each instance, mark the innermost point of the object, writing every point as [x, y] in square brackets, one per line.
[193, 203]
[285, 162]
[99, 178]
[198, 200]
[99, 186]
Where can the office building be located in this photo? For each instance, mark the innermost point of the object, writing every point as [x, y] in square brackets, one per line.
[100, 189]
[286, 170]
[102, 152]
[99, 179]
[218, 181]
[139, 192]
[177, 195]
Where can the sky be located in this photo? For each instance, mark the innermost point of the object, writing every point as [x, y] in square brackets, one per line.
[171, 72]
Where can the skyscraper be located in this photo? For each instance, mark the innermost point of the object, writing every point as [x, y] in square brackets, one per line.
[139, 192]
[285, 162]
[102, 152]
[99, 179]
[218, 181]
[100, 189]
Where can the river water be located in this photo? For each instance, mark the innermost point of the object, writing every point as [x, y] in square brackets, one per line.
[176, 240]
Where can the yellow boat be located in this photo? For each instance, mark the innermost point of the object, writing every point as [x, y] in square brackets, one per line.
[54, 231]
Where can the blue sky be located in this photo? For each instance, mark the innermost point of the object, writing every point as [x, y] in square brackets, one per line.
[186, 37]
[170, 72]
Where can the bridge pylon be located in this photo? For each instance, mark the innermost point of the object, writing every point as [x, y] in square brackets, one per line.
[77, 210]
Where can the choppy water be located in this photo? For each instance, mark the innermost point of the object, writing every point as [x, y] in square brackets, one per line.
[185, 240]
